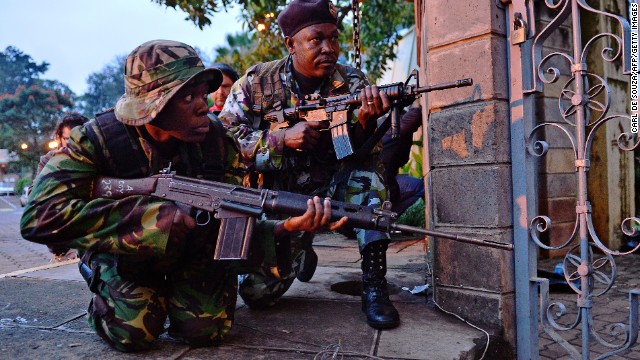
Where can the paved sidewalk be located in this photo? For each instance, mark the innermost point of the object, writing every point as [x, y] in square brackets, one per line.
[43, 311]
[16, 253]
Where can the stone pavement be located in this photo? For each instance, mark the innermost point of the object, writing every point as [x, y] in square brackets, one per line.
[609, 308]
[16, 256]
[42, 311]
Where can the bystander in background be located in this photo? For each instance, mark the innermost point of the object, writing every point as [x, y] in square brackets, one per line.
[217, 98]
[61, 136]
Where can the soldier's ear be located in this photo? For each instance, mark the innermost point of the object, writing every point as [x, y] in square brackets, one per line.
[288, 41]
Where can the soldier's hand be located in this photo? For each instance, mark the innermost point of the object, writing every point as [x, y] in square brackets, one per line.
[316, 218]
[375, 103]
[183, 223]
[304, 135]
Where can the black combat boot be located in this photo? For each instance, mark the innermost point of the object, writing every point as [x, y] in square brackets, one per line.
[308, 260]
[381, 314]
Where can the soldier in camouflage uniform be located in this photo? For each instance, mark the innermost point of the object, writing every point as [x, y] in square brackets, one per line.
[301, 158]
[147, 259]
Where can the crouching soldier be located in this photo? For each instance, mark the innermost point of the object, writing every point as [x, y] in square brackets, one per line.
[147, 259]
[300, 158]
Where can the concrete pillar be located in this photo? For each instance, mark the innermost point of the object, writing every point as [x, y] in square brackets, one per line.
[468, 159]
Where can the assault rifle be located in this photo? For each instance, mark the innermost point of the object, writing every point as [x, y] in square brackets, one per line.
[238, 206]
[335, 109]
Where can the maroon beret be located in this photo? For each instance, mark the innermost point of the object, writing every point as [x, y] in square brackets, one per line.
[302, 13]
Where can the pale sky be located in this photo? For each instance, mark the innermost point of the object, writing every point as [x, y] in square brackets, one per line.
[79, 37]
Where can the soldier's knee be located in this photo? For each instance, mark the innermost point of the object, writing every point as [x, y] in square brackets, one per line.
[125, 336]
[204, 332]
[259, 291]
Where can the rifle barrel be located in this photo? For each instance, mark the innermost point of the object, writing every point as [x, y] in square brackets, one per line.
[460, 238]
[446, 85]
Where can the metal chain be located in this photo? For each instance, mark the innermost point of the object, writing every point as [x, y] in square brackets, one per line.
[356, 33]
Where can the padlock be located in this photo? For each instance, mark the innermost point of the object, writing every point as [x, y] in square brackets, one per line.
[519, 33]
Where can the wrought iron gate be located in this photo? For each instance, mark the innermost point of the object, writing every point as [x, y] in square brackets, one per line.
[589, 266]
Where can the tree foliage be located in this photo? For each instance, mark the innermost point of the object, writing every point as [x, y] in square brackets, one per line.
[17, 68]
[29, 106]
[381, 24]
[104, 88]
[245, 49]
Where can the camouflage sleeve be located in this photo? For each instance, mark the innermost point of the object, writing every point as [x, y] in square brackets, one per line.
[60, 211]
[264, 148]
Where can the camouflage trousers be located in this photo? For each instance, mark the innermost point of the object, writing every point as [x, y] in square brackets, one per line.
[133, 297]
[263, 288]
[129, 311]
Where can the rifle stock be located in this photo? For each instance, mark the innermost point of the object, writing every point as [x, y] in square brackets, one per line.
[238, 206]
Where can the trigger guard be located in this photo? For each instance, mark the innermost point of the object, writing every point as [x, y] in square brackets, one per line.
[199, 219]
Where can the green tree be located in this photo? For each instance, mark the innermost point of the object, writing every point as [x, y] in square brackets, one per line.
[377, 41]
[104, 88]
[17, 68]
[243, 50]
[29, 106]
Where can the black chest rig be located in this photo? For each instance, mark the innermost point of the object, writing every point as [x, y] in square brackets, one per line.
[122, 154]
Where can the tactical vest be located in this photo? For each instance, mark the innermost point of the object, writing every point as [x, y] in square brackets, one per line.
[123, 156]
[267, 89]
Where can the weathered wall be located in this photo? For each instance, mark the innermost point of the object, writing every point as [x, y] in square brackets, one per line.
[467, 158]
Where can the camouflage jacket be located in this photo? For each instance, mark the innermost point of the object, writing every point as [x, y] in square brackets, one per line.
[263, 142]
[61, 213]
[258, 137]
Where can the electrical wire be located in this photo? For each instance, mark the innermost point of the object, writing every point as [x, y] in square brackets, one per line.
[486, 347]
[332, 351]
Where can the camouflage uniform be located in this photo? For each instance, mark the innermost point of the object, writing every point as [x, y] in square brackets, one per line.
[140, 274]
[300, 172]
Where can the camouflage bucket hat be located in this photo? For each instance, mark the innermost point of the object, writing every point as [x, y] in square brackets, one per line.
[153, 73]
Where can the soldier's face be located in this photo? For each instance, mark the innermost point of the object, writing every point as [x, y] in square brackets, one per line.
[184, 117]
[64, 138]
[220, 95]
[315, 50]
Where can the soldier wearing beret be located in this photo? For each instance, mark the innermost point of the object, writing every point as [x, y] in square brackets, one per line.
[145, 259]
[300, 158]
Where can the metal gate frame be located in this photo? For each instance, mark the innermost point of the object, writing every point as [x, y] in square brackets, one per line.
[527, 76]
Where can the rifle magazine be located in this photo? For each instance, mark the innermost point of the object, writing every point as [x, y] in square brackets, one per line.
[234, 238]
